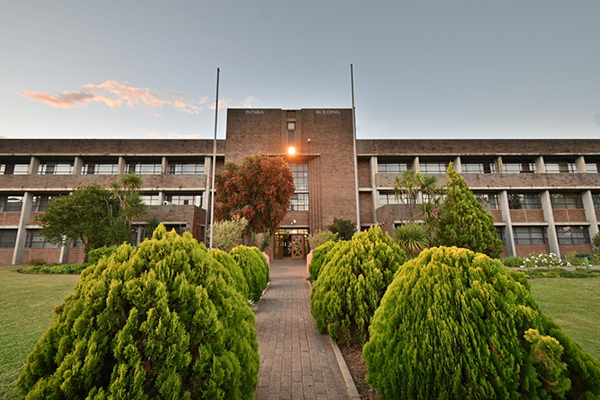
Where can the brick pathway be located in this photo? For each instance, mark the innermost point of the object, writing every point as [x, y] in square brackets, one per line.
[296, 361]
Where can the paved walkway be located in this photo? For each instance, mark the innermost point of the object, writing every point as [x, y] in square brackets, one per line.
[296, 362]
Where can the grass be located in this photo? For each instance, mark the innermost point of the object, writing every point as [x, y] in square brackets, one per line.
[27, 300]
[573, 304]
[26, 304]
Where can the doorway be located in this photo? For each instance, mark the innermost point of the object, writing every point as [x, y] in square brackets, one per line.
[291, 243]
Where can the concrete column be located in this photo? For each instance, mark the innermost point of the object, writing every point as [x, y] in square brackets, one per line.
[416, 164]
[64, 252]
[34, 165]
[580, 164]
[540, 165]
[374, 191]
[121, 165]
[161, 197]
[549, 215]
[509, 237]
[499, 165]
[22, 231]
[77, 166]
[458, 165]
[590, 211]
[165, 166]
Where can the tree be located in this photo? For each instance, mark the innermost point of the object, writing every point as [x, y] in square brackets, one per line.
[455, 324]
[344, 228]
[83, 215]
[259, 190]
[164, 320]
[463, 222]
[408, 186]
[228, 234]
[94, 215]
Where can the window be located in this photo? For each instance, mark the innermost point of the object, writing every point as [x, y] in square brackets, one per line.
[55, 168]
[8, 238]
[562, 201]
[186, 168]
[596, 200]
[185, 199]
[591, 168]
[573, 235]
[299, 202]
[291, 133]
[529, 234]
[11, 203]
[300, 174]
[488, 200]
[393, 168]
[433, 167]
[14, 168]
[41, 202]
[37, 241]
[524, 201]
[561, 167]
[518, 167]
[500, 233]
[144, 168]
[391, 198]
[478, 168]
[100, 168]
[150, 199]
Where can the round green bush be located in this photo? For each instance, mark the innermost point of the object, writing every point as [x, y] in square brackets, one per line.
[321, 256]
[351, 285]
[254, 267]
[160, 321]
[455, 324]
[234, 269]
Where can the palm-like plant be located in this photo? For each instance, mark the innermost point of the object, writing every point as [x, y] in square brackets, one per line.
[413, 238]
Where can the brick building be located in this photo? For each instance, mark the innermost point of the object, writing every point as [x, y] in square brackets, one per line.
[544, 195]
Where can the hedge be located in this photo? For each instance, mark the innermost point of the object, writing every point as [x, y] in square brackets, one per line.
[254, 267]
[350, 286]
[459, 324]
[162, 320]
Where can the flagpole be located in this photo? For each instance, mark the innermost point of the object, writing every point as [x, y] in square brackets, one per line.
[355, 155]
[214, 167]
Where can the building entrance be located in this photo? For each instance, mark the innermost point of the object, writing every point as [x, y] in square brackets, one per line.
[291, 243]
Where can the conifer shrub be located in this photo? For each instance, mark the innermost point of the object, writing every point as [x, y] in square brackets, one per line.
[350, 286]
[254, 267]
[163, 320]
[95, 255]
[456, 324]
[321, 256]
[234, 269]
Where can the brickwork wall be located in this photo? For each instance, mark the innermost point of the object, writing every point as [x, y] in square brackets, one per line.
[527, 216]
[477, 147]
[108, 147]
[577, 248]
[6, 256]
[524, 250]
[569, 215]
[366, 207]
[51, 256]
[10, 218]
[364, 173]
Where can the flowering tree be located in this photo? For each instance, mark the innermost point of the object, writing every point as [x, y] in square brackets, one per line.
[259, 190]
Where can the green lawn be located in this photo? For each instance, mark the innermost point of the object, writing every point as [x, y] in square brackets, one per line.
[26, 303]
[574, 304]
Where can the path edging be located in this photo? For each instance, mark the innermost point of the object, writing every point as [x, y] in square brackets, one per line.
[345, 371]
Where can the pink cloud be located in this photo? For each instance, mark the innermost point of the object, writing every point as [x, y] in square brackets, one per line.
[115, 94]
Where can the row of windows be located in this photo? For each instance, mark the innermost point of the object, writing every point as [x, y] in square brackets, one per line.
[104, 168]
[484, 167]
[538, 234]
[299, 202]
[41, 202]
[516, 201]
[8, 238]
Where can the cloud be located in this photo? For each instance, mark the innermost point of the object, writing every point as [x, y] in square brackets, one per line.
[222, 104]
[3, 137]
[115, 94]
[170, 135]
[247, 103]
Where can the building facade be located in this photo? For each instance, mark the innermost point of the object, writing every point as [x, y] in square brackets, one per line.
[544, 195]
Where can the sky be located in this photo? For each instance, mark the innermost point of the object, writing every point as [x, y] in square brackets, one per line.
[422, 69]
